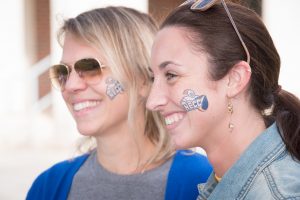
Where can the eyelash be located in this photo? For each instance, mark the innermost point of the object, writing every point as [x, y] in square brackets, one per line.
[152, 78]
[170, 76]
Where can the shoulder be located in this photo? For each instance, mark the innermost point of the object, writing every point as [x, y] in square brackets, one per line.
[280, 179]
[59, 175]
[187, 171]
[63, 167]
[191, 163]
[284, 175]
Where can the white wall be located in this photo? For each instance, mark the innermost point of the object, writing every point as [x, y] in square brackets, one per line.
[13, 57]
[15, 94]
[282, 19]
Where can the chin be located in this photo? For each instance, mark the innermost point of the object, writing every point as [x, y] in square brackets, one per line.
[181, 144]
[86, 131]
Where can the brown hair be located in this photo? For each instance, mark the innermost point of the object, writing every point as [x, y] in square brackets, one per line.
[212, 32]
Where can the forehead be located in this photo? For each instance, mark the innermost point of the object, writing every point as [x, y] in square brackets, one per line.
[173, 44]
[170, 38]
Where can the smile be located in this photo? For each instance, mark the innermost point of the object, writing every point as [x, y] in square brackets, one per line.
[84, 105]
[171, 119]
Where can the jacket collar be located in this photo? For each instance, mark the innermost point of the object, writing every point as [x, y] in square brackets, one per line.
[263, 150]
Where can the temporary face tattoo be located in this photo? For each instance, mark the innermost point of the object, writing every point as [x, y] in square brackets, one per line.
[191, 101]
[113, 87]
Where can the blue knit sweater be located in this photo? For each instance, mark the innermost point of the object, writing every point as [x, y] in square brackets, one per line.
[187, 170]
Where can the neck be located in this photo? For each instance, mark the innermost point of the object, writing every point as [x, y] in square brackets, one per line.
[126, 150]
[227, 149]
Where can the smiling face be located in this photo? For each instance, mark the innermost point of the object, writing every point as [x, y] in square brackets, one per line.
[194, 106]
[94, 111]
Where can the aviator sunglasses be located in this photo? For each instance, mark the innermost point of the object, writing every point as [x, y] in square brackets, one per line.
[203, 5]
[88, 69]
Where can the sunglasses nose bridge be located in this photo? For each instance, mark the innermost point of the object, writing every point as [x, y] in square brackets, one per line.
[74, 81]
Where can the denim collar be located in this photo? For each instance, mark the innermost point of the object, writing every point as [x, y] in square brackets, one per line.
[263, 150]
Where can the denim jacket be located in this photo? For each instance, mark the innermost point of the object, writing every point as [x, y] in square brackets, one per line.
[264, 171]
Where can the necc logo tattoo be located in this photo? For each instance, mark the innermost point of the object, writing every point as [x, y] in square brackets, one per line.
[113, 88]
[191, 101]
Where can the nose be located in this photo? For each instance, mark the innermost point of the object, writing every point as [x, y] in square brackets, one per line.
[157, 98]
[74, 82]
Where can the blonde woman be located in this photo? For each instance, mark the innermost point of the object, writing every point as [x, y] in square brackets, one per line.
[104, 80]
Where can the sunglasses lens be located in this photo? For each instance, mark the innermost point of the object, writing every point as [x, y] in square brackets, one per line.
[58, 75]
[89, 70]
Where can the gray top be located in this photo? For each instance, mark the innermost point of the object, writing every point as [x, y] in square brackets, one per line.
[92, 181]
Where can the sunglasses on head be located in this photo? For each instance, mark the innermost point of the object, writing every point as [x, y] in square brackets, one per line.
[88, 69]
[203, 5]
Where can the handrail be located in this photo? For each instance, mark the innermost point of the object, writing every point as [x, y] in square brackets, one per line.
[39, 104]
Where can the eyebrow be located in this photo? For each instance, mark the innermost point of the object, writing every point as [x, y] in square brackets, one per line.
[166, 63]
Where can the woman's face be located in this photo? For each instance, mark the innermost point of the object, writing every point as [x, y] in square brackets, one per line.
[94, 111]
[194, 106]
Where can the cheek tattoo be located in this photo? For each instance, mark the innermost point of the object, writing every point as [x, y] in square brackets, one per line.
[113, 87]
[191, 101]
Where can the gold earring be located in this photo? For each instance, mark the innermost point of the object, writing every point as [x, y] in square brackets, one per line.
[230, 110]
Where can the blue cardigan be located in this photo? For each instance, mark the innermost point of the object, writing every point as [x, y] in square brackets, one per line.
[186, 172]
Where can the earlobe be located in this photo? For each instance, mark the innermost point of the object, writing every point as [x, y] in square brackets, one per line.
[238, 78]
[143, 90]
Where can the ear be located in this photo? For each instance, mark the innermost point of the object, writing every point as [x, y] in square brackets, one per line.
[143, 90]
[238, 78]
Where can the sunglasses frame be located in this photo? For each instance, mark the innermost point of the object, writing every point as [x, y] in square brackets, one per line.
[198, 7]
[59, 86]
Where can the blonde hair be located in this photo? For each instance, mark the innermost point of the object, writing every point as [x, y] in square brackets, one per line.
[124, 37]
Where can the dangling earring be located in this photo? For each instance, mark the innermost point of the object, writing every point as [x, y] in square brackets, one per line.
[230, 110]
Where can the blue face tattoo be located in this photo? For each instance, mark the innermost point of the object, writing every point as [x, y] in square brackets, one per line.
[113, 87]
[191, 101]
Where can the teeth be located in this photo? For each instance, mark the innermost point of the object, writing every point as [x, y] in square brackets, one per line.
[85, 104]
[173, 118]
